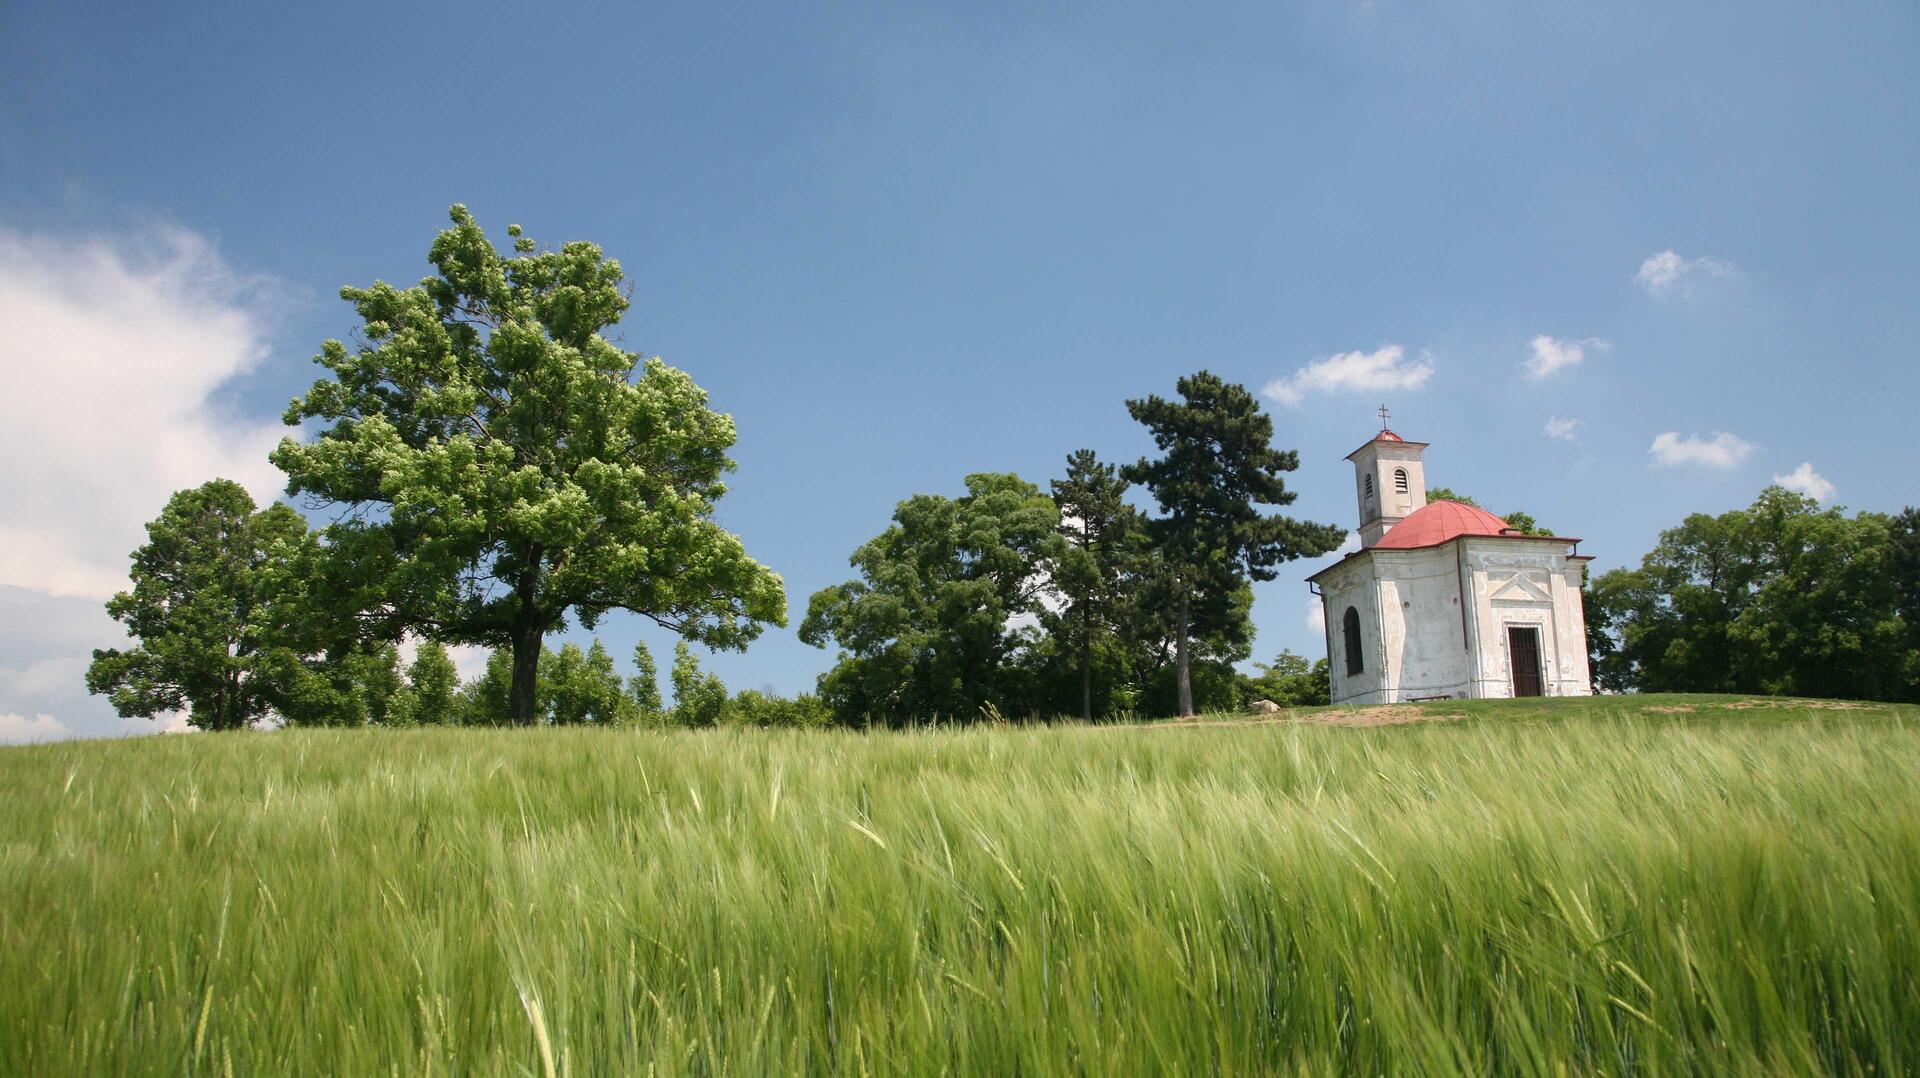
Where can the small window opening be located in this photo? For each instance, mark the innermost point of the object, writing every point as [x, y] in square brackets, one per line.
[1369, 484]
[1400, 480]
[1350, 632]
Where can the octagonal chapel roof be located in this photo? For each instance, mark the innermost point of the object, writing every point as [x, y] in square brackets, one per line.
[1437, 522]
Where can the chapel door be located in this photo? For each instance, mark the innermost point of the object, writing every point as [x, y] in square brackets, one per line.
[1523, 650]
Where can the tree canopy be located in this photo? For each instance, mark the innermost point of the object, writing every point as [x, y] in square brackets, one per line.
[1781, 597]
[498, 464]
[928, 627]
[209, 606]
[1218, 465]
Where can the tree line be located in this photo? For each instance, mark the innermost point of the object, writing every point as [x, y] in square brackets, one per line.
[493, 468]
[1782, 597]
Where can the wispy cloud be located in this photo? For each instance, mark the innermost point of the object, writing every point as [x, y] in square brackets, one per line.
[1669, 273]
[1807, 481]
[1723, 450]
[139, 331]
[1564, 429]
[1384, 368]
[1552, 354]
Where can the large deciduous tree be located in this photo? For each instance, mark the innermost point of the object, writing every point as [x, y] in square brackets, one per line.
[1781, 597]
[500, 464]
[928, 628]
[1218, 465]
[209, 605]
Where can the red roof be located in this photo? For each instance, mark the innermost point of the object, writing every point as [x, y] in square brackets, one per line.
[1436, 523]
[1386, 435]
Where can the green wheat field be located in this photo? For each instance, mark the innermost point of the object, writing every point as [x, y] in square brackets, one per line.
[1632, 885]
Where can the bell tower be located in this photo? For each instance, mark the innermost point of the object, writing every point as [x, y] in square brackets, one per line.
[1389, 481]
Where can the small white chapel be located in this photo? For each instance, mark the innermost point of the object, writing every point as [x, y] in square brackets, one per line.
[1444, 600]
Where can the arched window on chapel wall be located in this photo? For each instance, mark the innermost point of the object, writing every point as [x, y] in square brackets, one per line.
[1350, 636]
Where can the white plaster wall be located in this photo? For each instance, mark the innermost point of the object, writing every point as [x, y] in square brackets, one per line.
[1526, 583]
[1427, 648]
[1353, 587]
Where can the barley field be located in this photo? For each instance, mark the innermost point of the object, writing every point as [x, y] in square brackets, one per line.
[1626, 885]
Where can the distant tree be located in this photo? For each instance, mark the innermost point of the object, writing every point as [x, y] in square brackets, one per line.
[699, 698]
[580, 686]
[1291, 681]
[750, 707]
[501, 467]
[484, 700]
[210, 587]
[1781, 597]
[1105, 544]
[1219, 464]
[929, 628]
[643, 689]
[1903, 563]
[432, 686]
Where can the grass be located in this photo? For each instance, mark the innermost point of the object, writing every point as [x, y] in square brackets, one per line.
[1537, 886]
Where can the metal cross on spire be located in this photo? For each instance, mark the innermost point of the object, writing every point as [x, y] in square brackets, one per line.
[1383, 417]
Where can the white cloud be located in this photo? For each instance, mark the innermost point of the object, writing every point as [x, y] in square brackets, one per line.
[469, 660]
[1348, 545]
[1316, 614]
[1669, 273]
[1552, 354]
[114, 349]
[1723, 450]
[1384, 368]
[1564, 429]
[1807, 481]
[21, 730]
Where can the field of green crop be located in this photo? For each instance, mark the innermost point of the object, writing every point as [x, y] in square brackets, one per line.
[1626, 885]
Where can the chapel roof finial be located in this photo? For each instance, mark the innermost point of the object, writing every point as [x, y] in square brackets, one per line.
[1383, 417]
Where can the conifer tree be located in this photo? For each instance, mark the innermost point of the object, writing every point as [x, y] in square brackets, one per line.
[1218, 465]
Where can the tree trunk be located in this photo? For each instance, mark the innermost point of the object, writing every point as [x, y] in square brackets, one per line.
[529, 632]
[1184, 678]
[1085, 667]
[521, 698]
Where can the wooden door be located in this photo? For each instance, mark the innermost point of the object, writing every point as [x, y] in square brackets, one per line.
[1523, 651]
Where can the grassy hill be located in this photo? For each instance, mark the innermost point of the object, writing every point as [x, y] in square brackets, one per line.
[1645, 884]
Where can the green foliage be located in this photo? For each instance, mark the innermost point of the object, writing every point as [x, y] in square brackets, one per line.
[504, 467]
[643, 689]
[1903, 571]
[750, 707]
[580, 686]
[1290, 681]
[484, 700]
[699, 698]
[212, 608]
[1571, 886]
[1218, 465]
[1782, 597]
[928, 630]
[433, 686]
[1106, 551]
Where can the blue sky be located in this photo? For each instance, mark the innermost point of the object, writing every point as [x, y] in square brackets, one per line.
[900, 246]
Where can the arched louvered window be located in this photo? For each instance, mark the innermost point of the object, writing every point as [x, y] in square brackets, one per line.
[1350, 635]
[1400, 480]
[1369, 484]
